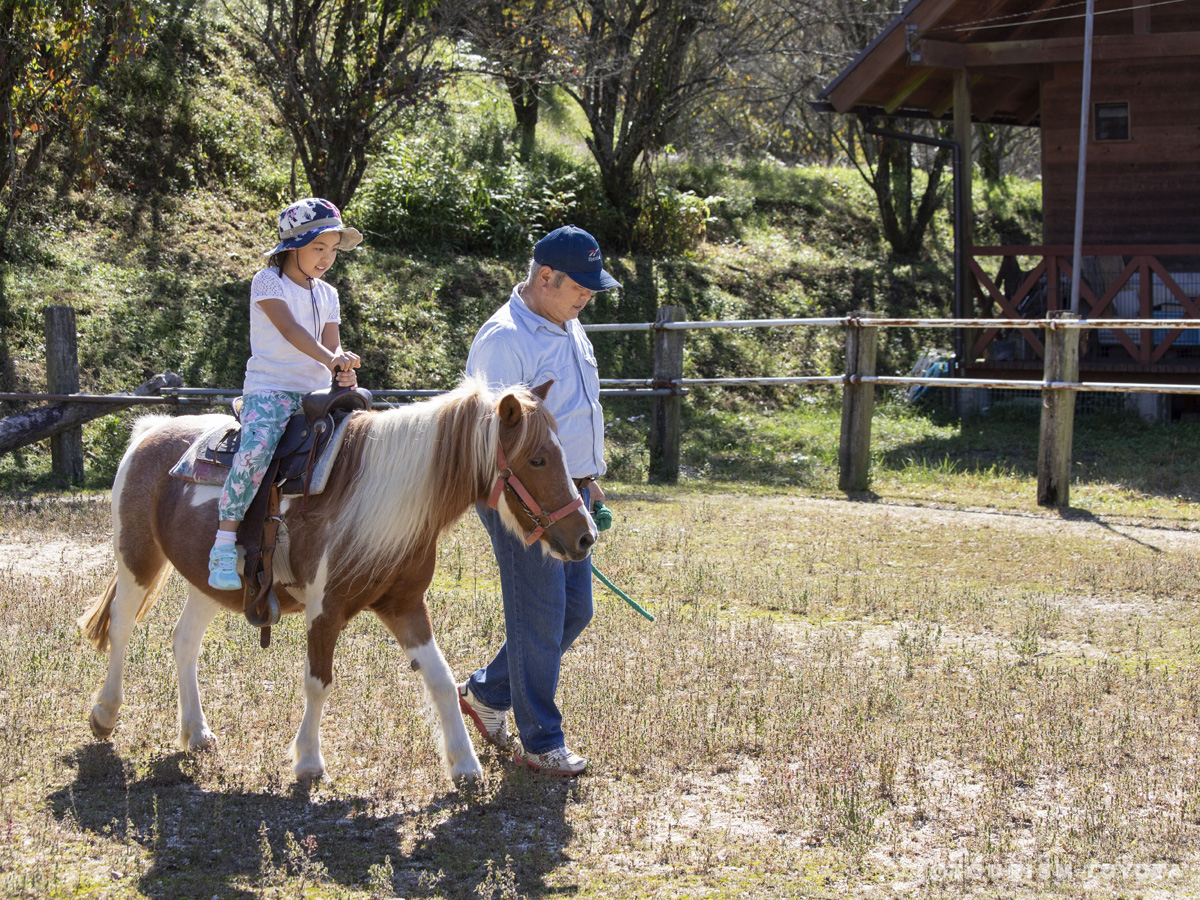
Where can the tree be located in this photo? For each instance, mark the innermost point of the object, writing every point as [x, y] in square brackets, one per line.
[887, 165]
[788, 50]
[517, 40]
[53, 55]
[828, 34]
[340, 72]
[1006, 150]
[635, 67]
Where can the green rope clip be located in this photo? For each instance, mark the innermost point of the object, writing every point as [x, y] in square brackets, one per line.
[604, 518]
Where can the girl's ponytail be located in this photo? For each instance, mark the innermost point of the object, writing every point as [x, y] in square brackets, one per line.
[277, 260]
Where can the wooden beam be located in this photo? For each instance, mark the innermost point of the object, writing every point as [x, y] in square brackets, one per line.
[42, 422]
[1141, 20]
[909, 85]
[1044, 9]
[858, 406]
[995, 96]
[1029, 110]
[890, 49]
[1025, 73]
[939, 109]
[1058, 415]
[963, 134]
[951, 55]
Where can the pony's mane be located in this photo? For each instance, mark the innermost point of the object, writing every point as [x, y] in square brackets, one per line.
[422, 466]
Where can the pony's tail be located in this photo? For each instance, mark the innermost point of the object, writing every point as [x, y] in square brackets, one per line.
[94, 623]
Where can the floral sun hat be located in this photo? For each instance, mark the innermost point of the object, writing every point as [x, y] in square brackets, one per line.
[305, 219]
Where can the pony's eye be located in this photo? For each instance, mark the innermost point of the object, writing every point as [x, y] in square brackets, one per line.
[538, 461]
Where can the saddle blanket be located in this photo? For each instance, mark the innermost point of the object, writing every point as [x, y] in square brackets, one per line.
[194, 468]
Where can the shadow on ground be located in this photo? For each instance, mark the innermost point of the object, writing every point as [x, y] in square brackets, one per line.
[493, 839]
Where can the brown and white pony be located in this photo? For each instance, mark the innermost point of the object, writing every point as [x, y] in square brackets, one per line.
[368, 541]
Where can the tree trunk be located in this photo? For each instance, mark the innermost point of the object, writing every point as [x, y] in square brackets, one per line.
[526, 109]
[903, 227]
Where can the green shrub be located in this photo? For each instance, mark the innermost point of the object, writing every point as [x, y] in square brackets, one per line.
[464, 189]
[188, 115]
[460, 185]
[674, 222]
[1009, 212]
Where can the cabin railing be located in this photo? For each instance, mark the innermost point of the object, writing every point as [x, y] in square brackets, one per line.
[1119, 281]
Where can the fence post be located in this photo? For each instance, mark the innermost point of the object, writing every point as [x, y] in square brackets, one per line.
[62, 377]
[858, 405]
[1058, 413]
[664, 415]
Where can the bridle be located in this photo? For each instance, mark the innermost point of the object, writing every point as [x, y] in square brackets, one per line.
[541, 519]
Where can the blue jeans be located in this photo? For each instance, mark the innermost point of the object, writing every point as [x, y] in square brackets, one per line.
[547, 604]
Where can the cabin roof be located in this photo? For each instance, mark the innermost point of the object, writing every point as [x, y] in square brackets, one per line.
[1007, 47]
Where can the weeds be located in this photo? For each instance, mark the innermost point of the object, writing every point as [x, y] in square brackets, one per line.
[858, 691]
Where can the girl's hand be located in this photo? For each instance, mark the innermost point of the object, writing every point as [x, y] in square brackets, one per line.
[344, 360]
[342, 364]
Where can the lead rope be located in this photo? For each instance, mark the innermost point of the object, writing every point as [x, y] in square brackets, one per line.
[603, 518]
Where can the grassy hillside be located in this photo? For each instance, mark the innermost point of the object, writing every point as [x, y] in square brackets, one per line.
[157, 262]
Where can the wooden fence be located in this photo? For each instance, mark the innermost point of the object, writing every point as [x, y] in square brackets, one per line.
[1064, 333]
[1060, 383]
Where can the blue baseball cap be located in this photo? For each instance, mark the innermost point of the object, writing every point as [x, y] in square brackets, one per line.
[574, 251]
[301, 222]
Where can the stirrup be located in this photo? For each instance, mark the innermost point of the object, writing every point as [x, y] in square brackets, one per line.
[269, 616]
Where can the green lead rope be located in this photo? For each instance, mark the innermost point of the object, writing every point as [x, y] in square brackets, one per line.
[603, 518]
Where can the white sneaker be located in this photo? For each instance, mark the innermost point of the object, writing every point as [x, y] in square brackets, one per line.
[559, 761]
[222, 568]
[492, 723]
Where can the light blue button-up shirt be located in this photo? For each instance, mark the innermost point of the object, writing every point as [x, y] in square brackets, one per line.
[517, 346]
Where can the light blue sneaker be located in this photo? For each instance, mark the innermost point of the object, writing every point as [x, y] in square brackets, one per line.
[222, 569]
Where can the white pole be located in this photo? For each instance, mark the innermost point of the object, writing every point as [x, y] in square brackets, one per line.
[1080, 181]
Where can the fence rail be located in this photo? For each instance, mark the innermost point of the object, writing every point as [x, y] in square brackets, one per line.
[1059, 385]
[883, 321]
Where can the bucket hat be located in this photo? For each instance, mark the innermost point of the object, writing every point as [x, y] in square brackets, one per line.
[303, 220]
[572, 250]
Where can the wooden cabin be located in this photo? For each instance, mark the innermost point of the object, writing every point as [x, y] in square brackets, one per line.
[1020, 62]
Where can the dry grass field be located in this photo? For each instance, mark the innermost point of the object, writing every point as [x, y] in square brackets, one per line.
[839, 699]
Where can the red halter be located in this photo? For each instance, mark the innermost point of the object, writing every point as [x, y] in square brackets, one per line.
[541, 520]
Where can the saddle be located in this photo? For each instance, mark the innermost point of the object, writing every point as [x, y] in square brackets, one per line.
[306, 447]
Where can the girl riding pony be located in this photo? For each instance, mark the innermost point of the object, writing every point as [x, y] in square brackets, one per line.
[294, 346]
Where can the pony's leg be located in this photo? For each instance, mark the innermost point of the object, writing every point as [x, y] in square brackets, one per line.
[415, 634]
[128, 598]
[305, 751]
[198, 613]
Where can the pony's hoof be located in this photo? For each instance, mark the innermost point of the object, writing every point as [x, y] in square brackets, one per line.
[467, 776]
[204, 742]
[101, 732]
[468, 782]
[309, 776]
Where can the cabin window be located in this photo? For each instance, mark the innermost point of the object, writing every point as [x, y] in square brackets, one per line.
[1112, 121]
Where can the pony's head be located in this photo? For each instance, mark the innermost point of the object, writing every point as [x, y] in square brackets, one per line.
[534, 493]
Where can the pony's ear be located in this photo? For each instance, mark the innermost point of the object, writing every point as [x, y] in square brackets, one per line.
[510, 410]
[542, 390]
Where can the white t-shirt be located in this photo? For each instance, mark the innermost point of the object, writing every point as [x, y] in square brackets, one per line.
[274, 363]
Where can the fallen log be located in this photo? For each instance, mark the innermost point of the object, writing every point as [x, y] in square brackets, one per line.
[46, 421]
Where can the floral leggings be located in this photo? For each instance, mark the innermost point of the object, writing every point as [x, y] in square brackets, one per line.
[264, 416]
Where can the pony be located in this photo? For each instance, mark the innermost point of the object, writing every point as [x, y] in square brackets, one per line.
[368, 541]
